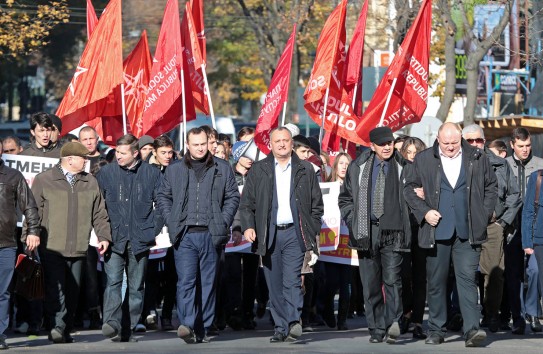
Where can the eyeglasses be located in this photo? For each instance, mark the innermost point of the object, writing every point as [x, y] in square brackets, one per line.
[478, 141]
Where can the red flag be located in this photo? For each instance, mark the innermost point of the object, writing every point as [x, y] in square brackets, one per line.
[276, 97]
[99, 71]
[92, 19]
[192, 53]
[409, 71]
[163, 102]
[198, 16]
[328, 74]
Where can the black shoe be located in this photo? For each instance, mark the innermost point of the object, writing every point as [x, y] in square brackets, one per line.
[294, 332]
[187, 334]
[504, 326]
[535, 325]
[494, 325]
[418, 333]
[455, 323]
[393, 333]
[434, 339]
[307, 328]
[475, 338]
[33, 330]
[341, 326]
[317, 321]
[3, 344]
[213, 330]
[277, 338]
[330, 319]
[260, 310]
[109, 331]
[166, 324]
[376, 338]
[234, 322]
[249, 324]
[519, 327]
[404, 324]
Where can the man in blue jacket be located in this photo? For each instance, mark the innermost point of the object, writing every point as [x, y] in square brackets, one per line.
[198, 199]
[129, 186]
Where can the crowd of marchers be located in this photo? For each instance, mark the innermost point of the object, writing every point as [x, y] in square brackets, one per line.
[453, 227]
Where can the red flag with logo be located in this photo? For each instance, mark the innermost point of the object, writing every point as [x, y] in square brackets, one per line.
[92, 19]
[328, 73]
[163, 107]
[99, 71]
[193, 55]
[276, 97]
[409, 71]
[198, 16]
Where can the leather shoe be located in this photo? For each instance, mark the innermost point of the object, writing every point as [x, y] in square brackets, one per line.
[404, 324]
[418, 333]
[277, 338]
[535, 325]
[494, 325]
[376, 338]
[434, 339]
[341, 326]
[519, 326]
[475, 338]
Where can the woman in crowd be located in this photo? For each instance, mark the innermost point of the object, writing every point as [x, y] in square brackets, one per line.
[414, 263]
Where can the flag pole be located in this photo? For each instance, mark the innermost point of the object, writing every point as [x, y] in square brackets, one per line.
[184, 111]
[387, 102]
[125, 131]
[324, 114]
[284, 113]
[209, 97]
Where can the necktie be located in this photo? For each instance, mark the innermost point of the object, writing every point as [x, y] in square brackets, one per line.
[378, 206]
[69, 177]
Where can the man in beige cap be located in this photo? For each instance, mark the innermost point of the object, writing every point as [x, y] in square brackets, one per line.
[70, 205]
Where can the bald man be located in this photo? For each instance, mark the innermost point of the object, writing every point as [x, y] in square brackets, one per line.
[460, 190]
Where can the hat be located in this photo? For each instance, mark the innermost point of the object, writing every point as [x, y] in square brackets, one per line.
[381, 135]
[73, 149]
[237, 150]
[145, 140]
[57, 122]
[294, 130]
[314, 144]
[301, 140]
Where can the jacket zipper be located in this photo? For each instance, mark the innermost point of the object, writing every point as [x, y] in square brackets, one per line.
[197, 202]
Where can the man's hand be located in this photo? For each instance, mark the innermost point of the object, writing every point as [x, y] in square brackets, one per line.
[420, 192]
[32, 242]
[102, 246]
[432, 217]
[237, 237]
[250, 235]
[529, 251]
[313, 259]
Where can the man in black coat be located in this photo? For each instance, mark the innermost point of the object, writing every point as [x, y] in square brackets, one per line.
[373, 208]
[460, 192]
[281, 209]
[198, 199]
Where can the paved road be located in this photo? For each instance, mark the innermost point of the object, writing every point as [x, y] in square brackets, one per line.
[323, 340]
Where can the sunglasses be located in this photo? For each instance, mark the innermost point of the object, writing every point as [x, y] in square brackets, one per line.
[478, 141]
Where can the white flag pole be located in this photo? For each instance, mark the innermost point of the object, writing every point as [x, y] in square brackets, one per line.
[387, 102]
[207, 93]
[324, 114]
[284, 113]
[125, 131]
[184, 111]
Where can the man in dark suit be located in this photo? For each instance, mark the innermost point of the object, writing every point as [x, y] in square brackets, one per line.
[281, 209]
[460, 192]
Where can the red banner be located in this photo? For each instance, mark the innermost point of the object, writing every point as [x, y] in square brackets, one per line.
[408, 73]
[163, 104]
[328, 74]
[192, 52]
[92, 19]
[99, 71]
[276, 97]
[198, 16]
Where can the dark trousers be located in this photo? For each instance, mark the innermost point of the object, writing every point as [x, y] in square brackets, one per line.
[196, 262]
[338, 278]
[135, 266]
[168, 284]
[465, 259]
[381, 265]
[538, 253]
[62, 284]
[514, 275]
[240, 282]
[7, 266]
[92, 280]
[414, 282]
[282, 269]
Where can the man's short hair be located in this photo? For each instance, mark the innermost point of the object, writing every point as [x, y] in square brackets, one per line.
[40, 118]
[162, 141]
[280, 129]
[499, 145]
[196, 131]
[15, 139]
[473, 128]
[128, 139]
[225, 138]
[88, 129]
[245, 131]
[210, 132]
[519, 134]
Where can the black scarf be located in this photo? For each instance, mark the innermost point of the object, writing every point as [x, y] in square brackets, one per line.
[390, 224]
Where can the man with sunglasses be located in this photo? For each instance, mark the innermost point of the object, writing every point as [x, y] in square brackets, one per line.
[509, 203]
[460, 191]
[373, 206]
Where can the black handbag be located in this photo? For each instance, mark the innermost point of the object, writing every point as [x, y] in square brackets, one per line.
[30, 281]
